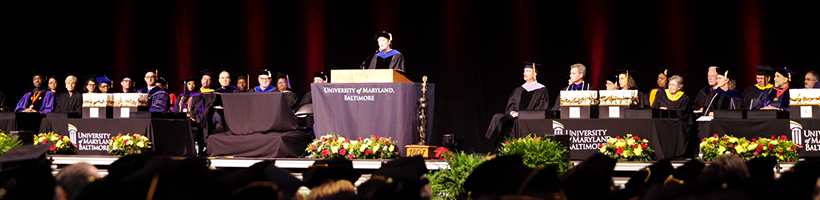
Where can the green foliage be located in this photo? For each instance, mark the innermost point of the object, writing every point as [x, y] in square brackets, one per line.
[537, 151]
[448, 184]
[8, 141]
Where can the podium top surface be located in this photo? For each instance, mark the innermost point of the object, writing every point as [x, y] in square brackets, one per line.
[367, 76]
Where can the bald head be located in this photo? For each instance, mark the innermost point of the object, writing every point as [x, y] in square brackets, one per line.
[224, 79]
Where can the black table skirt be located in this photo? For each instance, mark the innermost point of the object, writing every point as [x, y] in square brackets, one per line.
[665, 135]
[169, 136]
[8, 125]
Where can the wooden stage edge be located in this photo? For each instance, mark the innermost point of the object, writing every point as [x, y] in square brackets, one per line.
[366, 164]
[362, 164]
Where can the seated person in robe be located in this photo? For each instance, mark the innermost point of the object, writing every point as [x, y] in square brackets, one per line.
[70, 101]
[529, 96]
[105, 84]
[318, 77]
[242, 83]
[159, 100]
[724, 97]
[225, 83]
[283, 86]
[40, 100]
[777, 97]
[577, 72]
[663, 82]
[763, 78]
[264, 82]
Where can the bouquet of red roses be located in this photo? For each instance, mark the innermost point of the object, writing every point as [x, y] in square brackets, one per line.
[333, 145]
[629, 148]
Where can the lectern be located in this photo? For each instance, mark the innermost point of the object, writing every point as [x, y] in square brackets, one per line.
[367, 76]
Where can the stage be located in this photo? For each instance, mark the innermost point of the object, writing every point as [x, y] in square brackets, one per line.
[621, 174]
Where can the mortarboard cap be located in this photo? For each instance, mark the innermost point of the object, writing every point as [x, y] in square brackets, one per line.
[764, 70]
[525, 181]
[762, 167]
[25, 173]
[392, 183]
[207, 72]
[127, 75]
[591, 179]
[415, 162]
[103, 79]
[665, 72]
[262, 179]
[156, 72]
[240, 75]
[627, 72]
[726, 73]
[285, 76]
[486, 178]
[189, 79]
[640, 182]
[655, 173]
[384, 34]
[91, 77]
[689, 171]
[788, 73]
[532, 65]
[801, 179]
[24, 153]
[160, 177]
[320, 75]
[162, 81]
[264, 72]
[612, 78]
[329, 169]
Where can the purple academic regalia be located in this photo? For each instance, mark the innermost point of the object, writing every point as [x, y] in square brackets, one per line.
[46, 105]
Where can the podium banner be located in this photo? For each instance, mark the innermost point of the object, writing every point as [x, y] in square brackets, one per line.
[355, 110]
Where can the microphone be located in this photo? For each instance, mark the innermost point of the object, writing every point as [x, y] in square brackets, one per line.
[368, 58]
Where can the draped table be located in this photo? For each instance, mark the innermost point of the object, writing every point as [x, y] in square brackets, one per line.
[168, 136]
[805, 132]
[585, 135]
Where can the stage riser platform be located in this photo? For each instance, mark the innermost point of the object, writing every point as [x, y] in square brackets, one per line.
[622, 169]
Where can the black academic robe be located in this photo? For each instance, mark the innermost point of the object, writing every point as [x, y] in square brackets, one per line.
[650, 96]
[724, 100]
[306, 99]
[557, 105]
[393, 62]
[769, 98]
[69, 103]
[702, 98]
[242, 91]
[682, 107]
[291, 98]
[750, 95]
[500, 124]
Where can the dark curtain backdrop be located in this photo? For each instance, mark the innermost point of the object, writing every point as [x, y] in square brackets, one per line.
[472, 50]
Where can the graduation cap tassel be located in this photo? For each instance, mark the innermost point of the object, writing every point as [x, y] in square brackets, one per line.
[535, 71]
[789, 73]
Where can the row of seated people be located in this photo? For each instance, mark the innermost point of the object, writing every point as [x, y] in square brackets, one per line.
[45, 98]
[720, 94]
